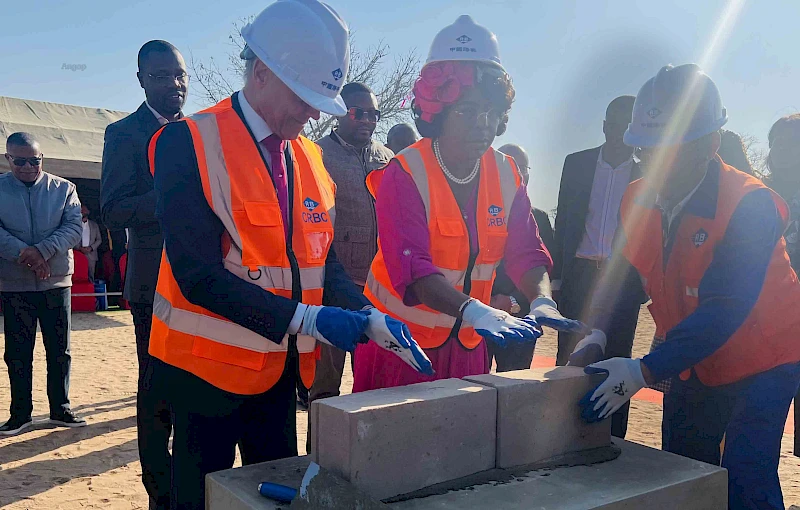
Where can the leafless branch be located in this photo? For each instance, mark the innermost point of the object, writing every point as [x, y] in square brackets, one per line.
[391, 81]
[756, 154]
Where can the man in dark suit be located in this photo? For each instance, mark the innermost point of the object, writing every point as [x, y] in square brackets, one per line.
[592, 184]
[128, 202]
[520, 156]
[505, 295]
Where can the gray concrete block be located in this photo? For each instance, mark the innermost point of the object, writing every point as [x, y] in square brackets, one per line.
[538, 415]
[397, 440]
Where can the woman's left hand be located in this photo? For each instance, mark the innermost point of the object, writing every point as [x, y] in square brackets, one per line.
[544, 310]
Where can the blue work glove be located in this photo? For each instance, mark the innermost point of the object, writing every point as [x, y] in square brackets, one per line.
[335, 326]
[624, 380]
[499, 326]
[589, 350]
[544, 310]
[394, 336]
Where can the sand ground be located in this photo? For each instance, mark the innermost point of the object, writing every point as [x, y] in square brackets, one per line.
[97, 466]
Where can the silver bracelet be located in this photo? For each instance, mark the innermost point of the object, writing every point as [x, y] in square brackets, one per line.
[463, 306]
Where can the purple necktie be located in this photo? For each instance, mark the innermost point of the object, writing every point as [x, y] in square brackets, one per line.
[275, 146]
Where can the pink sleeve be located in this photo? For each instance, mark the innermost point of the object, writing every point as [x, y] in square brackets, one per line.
[524, 249]
[403, 231]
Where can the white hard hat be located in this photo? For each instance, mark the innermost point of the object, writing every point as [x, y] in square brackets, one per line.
[465, 40]
[305, 43]
[678, 105]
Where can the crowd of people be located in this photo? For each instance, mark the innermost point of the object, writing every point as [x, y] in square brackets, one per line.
[257, 258]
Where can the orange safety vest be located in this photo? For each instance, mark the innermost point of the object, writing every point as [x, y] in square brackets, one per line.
[238, 188]
[449, 240]
[769, 335]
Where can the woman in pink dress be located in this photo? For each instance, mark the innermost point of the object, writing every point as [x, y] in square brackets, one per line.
[450, 209]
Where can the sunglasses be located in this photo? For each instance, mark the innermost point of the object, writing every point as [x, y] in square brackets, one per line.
[357, 113]
[34, 162]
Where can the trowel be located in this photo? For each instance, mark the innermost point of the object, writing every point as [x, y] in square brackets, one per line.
[321, 489]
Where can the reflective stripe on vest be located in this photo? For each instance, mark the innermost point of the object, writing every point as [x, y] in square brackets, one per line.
[222, 331]
[238, 188]
[499, 182]
[768, 336]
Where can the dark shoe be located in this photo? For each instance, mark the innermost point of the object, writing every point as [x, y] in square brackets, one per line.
[67, 419]
[15, 425]
[302, 404]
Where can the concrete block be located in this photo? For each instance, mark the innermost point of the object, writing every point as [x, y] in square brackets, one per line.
[538, 415]
[397, 440]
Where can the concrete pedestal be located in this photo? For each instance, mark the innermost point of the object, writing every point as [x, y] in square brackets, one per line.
[640, 477]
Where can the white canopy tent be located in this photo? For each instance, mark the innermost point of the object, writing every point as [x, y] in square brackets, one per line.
[71, 137]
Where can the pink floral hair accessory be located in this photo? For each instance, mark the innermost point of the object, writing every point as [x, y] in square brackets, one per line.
[440, 84]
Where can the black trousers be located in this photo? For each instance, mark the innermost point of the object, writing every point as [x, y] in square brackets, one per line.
[511, 357]
[52, 310]
[209, 423]
[153, 420]
[576, 294]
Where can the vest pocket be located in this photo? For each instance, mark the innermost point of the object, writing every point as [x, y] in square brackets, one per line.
[317, 240]
[245, 358]
[448, 244]
[495, 246]
[260, 227]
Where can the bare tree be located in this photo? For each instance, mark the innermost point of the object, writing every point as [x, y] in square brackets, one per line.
[391, 81]
[757, 155]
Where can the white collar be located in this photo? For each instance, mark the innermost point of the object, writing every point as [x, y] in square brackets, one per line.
[160, 118]
[600, 161]
[671, 215]
[254, 121]
[344, 143]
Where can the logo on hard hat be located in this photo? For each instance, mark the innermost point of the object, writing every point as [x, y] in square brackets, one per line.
[464, 39]
[699, 237]
[310, 204]
[337, 74]
[653, 113]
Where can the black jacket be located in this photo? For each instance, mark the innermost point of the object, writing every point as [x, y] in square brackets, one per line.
[127, 200]
[573, 206]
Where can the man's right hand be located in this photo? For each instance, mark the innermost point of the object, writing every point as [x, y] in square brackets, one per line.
[501, 302]
[335, 326]
[589, 350]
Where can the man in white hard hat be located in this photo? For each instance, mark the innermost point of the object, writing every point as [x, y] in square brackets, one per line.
[246, 208]
[707, 241]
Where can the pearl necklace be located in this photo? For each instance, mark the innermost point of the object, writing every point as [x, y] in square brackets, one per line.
[465, 180]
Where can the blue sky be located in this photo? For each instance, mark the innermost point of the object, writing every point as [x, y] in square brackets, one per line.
[568, 58]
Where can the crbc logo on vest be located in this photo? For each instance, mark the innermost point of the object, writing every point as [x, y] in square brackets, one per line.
[311, 216]
[496, 220]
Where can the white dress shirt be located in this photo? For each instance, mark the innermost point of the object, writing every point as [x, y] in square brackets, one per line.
[602, 218]
[160, 118]
[86, 234]
[261, 131]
